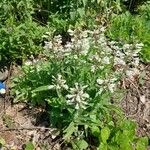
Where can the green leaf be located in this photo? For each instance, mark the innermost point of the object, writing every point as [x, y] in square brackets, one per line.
[142, 144]
[84, 2]
[2, 141]
[81, 12]
[103, 146]
[71, 128]
[41, 88]
[29, 146]
[123, 141]
[105, 133]
[80, 144]
[95, 131]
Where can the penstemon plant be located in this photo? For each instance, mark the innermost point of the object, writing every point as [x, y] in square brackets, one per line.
[77, 84]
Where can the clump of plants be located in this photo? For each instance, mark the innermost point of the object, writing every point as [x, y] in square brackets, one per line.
[127, 27]
[78, 85]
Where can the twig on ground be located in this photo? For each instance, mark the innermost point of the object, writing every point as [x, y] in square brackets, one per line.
[26, 128]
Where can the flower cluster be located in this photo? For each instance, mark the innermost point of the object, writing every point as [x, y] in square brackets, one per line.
[58, 83]
[105, 84]
[77, 96]
[101, 55]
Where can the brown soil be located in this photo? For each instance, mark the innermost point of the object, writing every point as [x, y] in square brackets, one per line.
[136, 102]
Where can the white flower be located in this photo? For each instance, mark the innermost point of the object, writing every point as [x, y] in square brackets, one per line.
[84, 34]
[111, 87]
[112, 43]
[139, 45]
[102, 29]
[120, 54]
[108, 49]
[77, 96]
[48, 45]
[136, 61]
[71, 32]
[106, 60]
[126, 46]
[28, 62]
[93, 68]
[118, 61]
[95, 58]
[59, 83]
[85, 44]
[100, 81]
[58, 39]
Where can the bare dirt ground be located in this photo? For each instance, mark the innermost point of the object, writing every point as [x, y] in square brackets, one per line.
[19, 124]
[136, 103]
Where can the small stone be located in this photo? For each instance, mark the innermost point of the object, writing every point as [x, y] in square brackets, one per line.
[3, 73]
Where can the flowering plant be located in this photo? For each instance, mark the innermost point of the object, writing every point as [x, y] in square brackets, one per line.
[78, 82]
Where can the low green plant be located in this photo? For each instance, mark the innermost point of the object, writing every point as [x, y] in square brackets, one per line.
[20, 41]
[77, 86]
[126, 27]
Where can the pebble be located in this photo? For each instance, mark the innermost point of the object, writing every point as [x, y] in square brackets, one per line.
[3, 73]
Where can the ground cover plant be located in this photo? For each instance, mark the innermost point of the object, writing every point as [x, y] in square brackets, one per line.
[74, 56]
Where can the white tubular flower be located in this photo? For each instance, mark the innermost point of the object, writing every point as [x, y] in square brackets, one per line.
[100, 81]
[48, 45]
[139, 45]
[77, 96]
[126, 46]
[58, 39]
[71, 32]
[111, 87]
[106, 60]
[93, 68]
[84, 34]
[60, 83]
[119, 61]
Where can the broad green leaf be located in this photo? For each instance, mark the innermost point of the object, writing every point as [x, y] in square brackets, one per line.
[142, 144]
[95, 131]
[105, 133]
[102, 146]
[29, 146]
[80, 144]
[123, 141]
[113, 147]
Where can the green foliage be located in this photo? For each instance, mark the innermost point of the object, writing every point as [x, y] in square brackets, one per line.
[126, 27]
[29, 146]
[77, 82]
[76, 97]
[2, 142]
[20, 36]
[20, 41]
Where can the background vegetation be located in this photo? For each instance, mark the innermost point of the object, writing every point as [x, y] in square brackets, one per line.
[66, 85]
